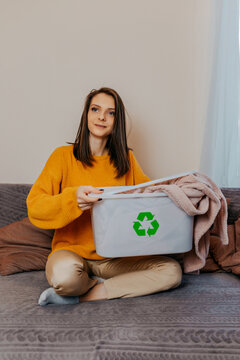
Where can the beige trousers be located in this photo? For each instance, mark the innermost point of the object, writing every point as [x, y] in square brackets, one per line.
[70, 275]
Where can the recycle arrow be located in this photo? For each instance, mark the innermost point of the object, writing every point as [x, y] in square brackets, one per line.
[143, 215]
[136, 226]
[151, 230]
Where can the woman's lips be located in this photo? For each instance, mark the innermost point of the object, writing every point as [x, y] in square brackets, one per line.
[101, 126]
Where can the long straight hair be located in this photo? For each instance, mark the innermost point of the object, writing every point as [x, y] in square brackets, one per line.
[117, 141]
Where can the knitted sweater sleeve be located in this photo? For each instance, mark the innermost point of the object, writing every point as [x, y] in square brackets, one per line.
[48, 207]
[136, 172]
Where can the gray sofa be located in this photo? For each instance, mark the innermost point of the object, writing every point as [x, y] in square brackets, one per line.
[198, 320]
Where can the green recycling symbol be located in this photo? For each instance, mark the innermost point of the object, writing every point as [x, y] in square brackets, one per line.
[149, 217]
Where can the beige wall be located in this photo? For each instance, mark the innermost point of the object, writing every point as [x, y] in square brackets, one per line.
[156, 54]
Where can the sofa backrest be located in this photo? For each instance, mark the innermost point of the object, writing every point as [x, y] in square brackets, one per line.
[13, 202]
[234, 207]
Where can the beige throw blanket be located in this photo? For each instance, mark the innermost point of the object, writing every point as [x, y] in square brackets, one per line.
[200, 197]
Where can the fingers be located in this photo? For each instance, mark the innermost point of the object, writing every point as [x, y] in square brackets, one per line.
[88, 199]
[85, 202]
[94, 190]
[85, 207]
[90, 189]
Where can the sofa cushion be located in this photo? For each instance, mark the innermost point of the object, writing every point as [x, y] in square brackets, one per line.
[23, 247]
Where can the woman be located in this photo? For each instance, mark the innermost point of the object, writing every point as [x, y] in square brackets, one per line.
[60, 200]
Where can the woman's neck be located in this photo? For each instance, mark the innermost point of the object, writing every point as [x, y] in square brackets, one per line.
[97, 145]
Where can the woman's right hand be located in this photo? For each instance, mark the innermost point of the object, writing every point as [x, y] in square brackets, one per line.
[84, 201]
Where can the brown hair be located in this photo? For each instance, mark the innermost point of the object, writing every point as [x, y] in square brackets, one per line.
[117, 140]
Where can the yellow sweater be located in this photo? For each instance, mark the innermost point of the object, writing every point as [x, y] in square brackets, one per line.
[52, 201]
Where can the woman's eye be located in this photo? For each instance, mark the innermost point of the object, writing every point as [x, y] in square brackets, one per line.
[93, 109]
[111, 113]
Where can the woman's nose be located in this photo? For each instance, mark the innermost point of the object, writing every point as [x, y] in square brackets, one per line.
[101, 116]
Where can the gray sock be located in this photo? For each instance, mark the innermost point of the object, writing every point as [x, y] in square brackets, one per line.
[98, 278]
[49, 296]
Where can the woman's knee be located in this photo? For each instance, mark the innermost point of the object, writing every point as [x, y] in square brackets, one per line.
[65, 272]
[171, 270]
[176, 271]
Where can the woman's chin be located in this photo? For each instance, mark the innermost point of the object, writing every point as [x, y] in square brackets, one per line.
[99, 135]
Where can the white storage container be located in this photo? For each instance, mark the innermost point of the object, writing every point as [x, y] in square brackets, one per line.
[140, 223]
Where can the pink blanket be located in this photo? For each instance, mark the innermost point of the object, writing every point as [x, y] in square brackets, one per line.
[200, 197]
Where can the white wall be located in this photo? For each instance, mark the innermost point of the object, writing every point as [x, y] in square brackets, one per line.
[156, 54]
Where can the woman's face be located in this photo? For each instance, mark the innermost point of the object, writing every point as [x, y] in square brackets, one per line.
[101, 115]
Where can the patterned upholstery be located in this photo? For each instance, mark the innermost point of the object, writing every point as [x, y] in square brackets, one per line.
[197, 321]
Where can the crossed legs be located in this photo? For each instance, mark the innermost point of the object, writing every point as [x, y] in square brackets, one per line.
[68, 274]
